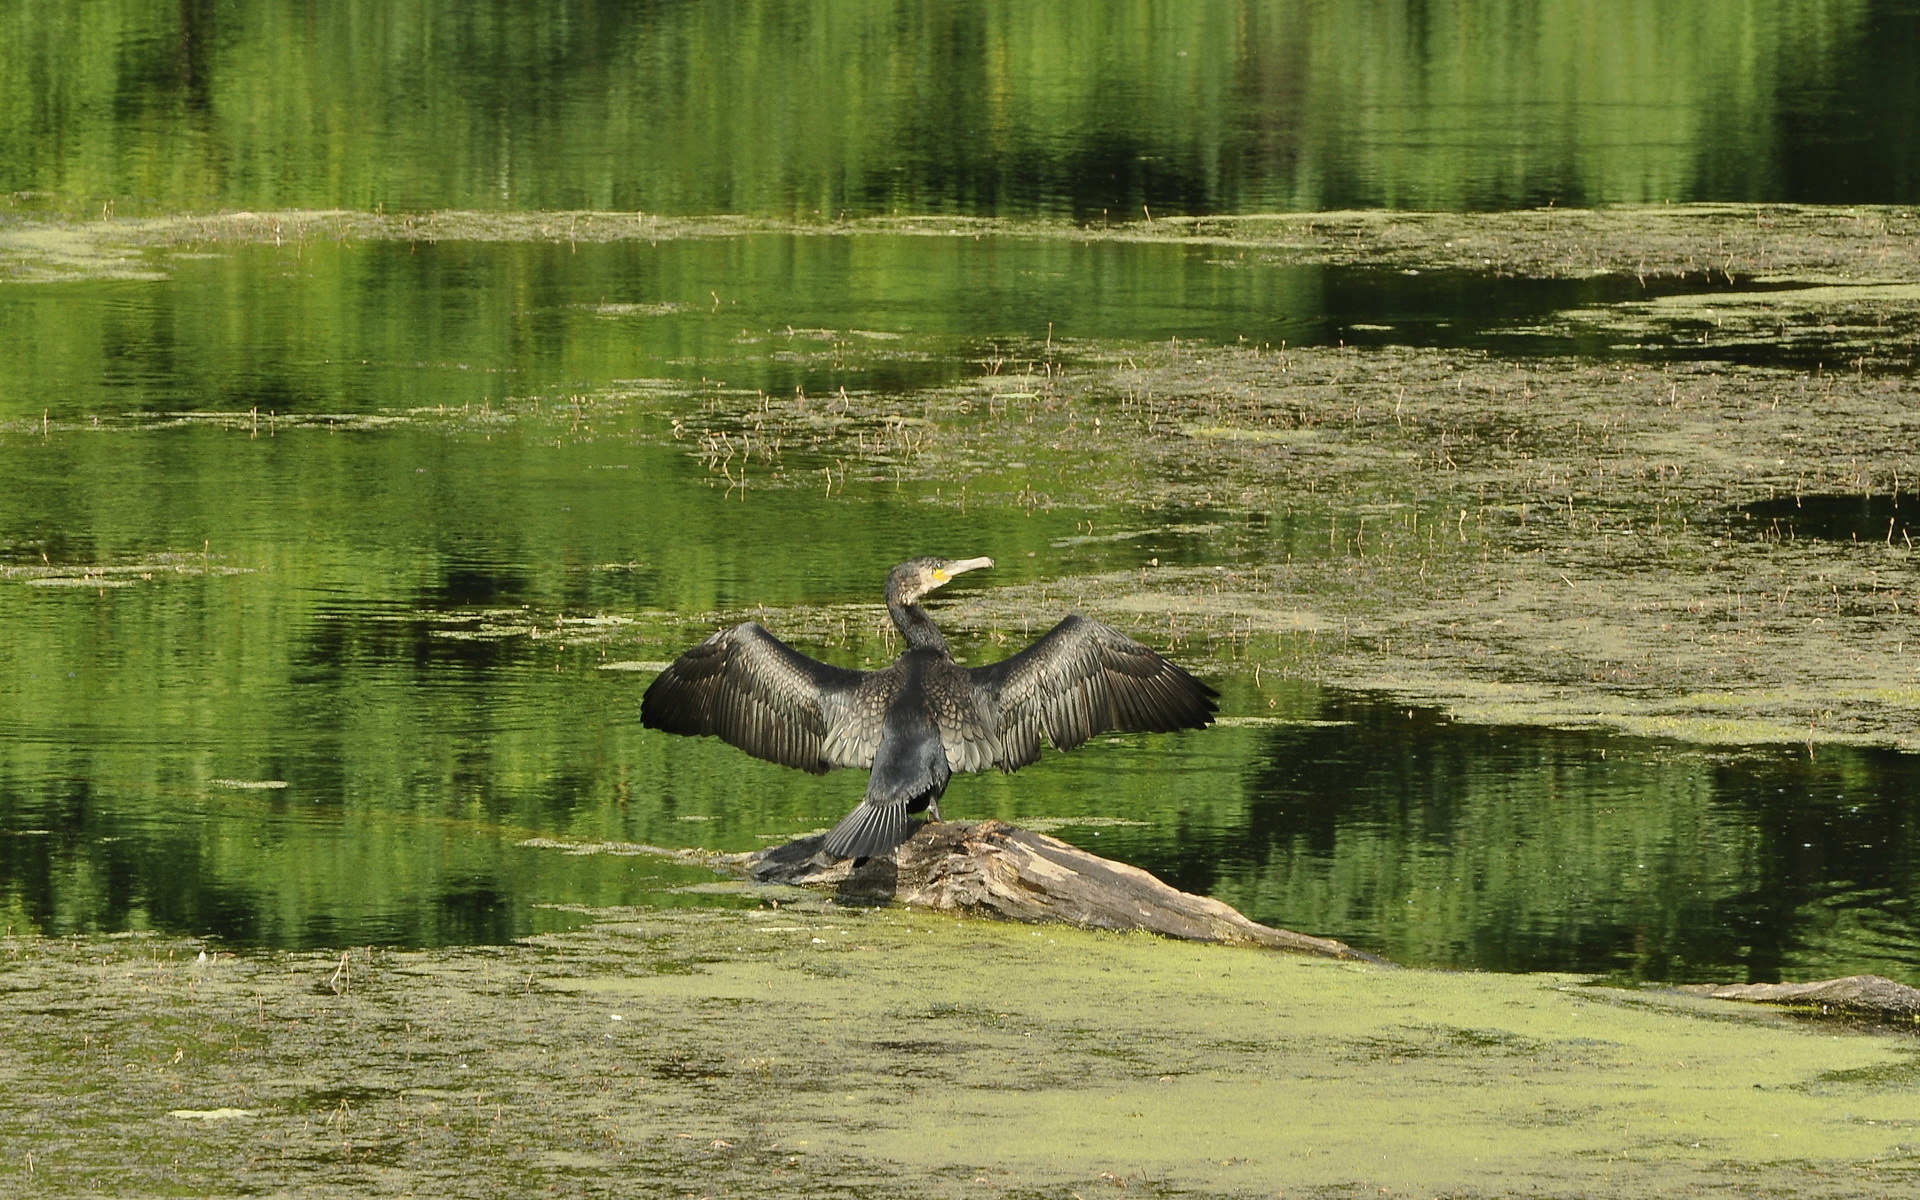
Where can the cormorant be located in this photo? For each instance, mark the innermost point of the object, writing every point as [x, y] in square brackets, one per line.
[923, 718]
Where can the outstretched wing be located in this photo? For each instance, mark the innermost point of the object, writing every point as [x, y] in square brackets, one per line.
[1084, 678]
[752, 690]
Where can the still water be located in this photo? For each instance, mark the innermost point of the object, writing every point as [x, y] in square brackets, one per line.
[818, 108]
[329, 574]
[328, 329]
[321, 569]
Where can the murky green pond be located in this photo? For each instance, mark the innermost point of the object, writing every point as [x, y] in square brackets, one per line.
[331, 571]
[830, 107]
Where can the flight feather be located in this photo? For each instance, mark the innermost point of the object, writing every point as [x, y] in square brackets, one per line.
[754, 691]
[1081, 679]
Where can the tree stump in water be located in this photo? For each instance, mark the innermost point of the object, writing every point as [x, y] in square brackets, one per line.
[993, 868]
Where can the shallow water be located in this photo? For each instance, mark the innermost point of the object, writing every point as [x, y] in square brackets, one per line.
[331, 574]
[325, 328]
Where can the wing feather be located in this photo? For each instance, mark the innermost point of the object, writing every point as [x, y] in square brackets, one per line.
[752, 690]
[1081, 679]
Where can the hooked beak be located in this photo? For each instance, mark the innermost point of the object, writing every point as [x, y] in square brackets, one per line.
[959, 567]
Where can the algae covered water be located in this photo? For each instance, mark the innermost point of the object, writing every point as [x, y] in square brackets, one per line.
[334, 574]
[332, 564]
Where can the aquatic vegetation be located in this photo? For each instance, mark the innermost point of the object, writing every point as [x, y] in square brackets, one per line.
[1865, 254]
[810, 1051]
[388, 392]
[444, 537]
[1545, 540]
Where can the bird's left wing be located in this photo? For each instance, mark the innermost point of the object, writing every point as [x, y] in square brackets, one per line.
[1083, 678]
[752, 690]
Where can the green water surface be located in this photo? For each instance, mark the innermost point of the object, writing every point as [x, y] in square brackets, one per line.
[332, 573]
[825, 107]
[329, 573]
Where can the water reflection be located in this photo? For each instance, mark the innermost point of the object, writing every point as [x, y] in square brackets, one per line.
[874, 106]
[348, 664]
[1872, 517]
[412, 779]
[1570, 850]
[327, 329]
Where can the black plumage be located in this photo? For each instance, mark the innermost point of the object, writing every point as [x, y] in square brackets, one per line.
[918, 721]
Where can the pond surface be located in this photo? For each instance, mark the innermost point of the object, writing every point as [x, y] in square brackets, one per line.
[817, 109]
[332, 576]
[1892, 517]
[324, 328]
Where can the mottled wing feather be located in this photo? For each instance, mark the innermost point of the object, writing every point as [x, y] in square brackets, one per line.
[1081, 679]
[752, 690]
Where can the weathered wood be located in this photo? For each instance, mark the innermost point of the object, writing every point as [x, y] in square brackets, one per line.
[1852, 993]
[991, 867]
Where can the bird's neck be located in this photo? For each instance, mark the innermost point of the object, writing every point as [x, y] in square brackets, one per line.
[917, 627]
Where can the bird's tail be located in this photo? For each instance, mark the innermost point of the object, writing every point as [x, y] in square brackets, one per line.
[870, 830]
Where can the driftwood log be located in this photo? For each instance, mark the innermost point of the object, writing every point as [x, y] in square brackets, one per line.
[993, 868]
[1875, 994]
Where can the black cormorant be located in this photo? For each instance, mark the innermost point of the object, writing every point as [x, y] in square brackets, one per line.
[923, 718]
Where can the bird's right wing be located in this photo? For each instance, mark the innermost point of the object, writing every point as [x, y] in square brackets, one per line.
[1083, 678]
[752, 690]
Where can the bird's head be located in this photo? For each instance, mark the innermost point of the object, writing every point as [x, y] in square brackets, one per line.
[914, 579]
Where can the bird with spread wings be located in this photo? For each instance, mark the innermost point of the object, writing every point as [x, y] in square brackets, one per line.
[916, 722]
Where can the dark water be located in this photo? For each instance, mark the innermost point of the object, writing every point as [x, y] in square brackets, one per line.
[1872, 517]
[824, 107]
[1575, 850]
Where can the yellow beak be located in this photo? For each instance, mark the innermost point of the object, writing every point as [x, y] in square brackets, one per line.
[943, 575]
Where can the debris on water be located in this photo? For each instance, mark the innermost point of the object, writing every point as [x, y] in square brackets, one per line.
[622, 849]
[991, 868]
[212, 1114]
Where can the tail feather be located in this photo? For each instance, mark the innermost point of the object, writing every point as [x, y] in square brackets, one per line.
[870, 830]
[910, 772]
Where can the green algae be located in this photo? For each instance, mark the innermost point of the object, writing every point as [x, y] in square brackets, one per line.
[41, 252]
[1716, 243]
[1551, 541]
[1858, 326]
[815, 1051]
